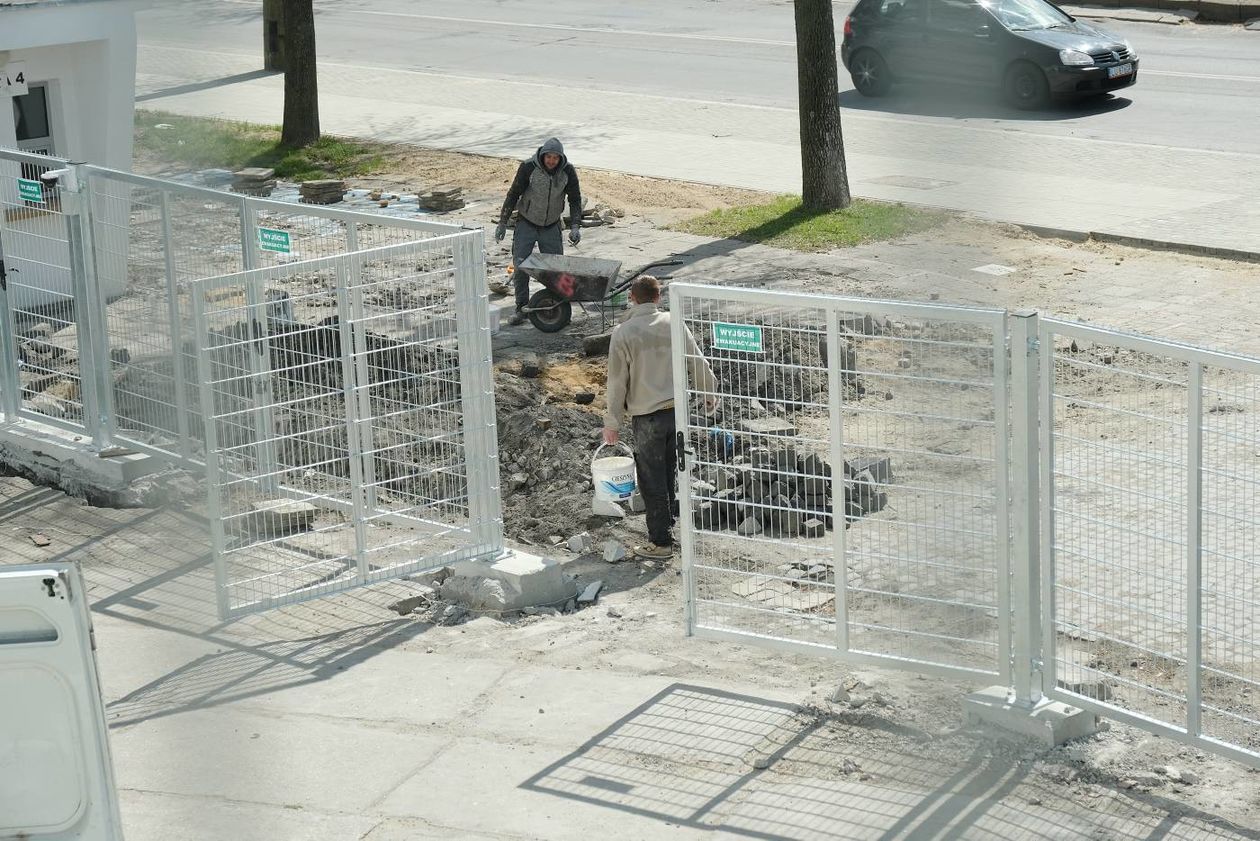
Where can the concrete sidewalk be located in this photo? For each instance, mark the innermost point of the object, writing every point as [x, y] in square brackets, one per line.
[336, 720]
[1130, 190]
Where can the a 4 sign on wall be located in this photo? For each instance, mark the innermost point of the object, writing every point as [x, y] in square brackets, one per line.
[13, 79]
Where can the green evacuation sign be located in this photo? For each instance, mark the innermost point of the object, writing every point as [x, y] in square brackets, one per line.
[29, 190]
[270, 239]
[745, 338]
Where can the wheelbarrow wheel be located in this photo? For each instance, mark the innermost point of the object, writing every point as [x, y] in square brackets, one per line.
[550, 313]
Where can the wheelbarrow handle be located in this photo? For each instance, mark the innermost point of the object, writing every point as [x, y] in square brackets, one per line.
[658, 263]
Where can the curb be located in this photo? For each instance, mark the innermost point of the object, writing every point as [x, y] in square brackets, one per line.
[1143, 242]
[1214, 11]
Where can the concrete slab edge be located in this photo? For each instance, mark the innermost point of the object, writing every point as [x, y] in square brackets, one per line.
[1144, 242]
[47, 455]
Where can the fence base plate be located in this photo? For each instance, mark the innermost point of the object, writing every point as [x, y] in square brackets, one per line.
[1050, 722]
[56, 457]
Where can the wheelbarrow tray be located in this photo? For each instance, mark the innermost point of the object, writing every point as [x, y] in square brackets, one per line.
[580, 279]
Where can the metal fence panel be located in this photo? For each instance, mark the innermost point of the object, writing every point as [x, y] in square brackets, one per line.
[1150, 562]
[357, 385]
[42, 377]
[852, 492]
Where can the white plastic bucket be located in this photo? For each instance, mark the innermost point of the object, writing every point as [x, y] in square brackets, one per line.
[613, 476]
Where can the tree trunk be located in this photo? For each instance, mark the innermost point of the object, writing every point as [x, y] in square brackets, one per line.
[301, 92]
[824, 181]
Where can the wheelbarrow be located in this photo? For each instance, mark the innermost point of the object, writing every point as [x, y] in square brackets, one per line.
[574, 280]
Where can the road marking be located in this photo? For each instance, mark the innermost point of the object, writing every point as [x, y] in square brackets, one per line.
[849, 115]
[1175, 75]
[599, 30]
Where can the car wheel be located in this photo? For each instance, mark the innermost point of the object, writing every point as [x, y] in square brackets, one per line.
[1026, 86]
[870, 73]
[552, 313]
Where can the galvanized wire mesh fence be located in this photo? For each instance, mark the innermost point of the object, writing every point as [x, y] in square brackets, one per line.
[349, 419]
[42, 377]
[1150, 549]
[851, 494]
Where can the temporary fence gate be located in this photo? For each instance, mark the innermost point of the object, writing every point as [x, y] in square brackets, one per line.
[823, 395]
[349, 420]
[329, 370]
[953, 490]
[1150, 536]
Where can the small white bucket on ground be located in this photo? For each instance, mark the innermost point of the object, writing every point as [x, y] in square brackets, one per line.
[613, 476]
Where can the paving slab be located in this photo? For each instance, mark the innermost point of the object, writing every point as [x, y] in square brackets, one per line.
[149, 816]
[295, 761]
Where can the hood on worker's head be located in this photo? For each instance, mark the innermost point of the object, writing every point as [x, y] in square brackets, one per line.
[552, 146]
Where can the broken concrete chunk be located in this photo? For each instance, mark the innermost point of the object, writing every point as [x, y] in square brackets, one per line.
[750, 526]
[531, 366]
[280, 517]
[597, 345]
[591, 594]
[614, 552]
[580, 543]
[814, 528]
[637, 506]
[880, 468]
[584, 398]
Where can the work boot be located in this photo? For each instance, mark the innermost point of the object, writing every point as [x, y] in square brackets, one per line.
[518, 318]
[652, 552]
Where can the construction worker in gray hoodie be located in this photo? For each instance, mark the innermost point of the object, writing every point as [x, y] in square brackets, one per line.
[538, 192]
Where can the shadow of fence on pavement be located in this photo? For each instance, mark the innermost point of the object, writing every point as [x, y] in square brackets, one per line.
[702, 758]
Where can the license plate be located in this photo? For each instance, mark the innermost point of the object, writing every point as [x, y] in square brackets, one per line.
[1119, 70]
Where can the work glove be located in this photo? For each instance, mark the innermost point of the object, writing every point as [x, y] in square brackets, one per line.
[575, 235]
[500, 232]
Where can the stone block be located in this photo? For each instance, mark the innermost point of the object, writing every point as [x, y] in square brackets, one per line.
[1050, 722]
[580, 543]
[597, 345]
[750, 526]
[768, 426]
[522, 580]
[813, 528]
[637, 505]
[880, 468]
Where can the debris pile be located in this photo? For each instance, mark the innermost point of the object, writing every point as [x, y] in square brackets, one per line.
[781, 493]
[323, 191]
[254, 181]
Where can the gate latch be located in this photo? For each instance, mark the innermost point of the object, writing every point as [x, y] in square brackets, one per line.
[683, 451]
[4, 274]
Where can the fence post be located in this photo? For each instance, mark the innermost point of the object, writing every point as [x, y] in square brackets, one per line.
[685, 466]
[96, 384]
[1194, 550]
[839, 508]
[481, 446]
[10, 380]
[1025, 490]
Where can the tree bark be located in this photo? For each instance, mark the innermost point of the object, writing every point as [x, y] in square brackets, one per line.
[824, 179]
[301, 91]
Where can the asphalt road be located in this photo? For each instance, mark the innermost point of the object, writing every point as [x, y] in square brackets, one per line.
[1196, 106]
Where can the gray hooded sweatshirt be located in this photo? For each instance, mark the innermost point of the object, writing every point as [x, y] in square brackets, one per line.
[540, 194]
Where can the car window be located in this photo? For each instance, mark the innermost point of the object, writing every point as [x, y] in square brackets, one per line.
[957, 15]
[1026, 14]
[902, 10]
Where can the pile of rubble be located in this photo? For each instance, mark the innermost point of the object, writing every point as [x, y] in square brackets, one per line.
[781, 493]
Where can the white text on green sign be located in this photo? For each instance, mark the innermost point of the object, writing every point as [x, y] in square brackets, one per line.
[745, 338]
[270, 239]
[29, 190]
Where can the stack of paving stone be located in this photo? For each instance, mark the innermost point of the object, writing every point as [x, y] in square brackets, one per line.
[442, 199]
[324, 191]
[254, 181]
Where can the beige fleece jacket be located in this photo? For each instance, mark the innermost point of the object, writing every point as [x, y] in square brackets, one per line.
[641, 370]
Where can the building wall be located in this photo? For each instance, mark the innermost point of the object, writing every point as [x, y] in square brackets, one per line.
[87, 51]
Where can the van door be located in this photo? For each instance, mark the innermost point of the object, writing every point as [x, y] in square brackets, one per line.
[56, 776]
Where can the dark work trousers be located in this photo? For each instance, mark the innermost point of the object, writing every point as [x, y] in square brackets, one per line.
[524, 238]
[655, 450]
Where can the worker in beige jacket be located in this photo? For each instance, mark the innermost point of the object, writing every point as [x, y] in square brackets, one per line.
[641, 383]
